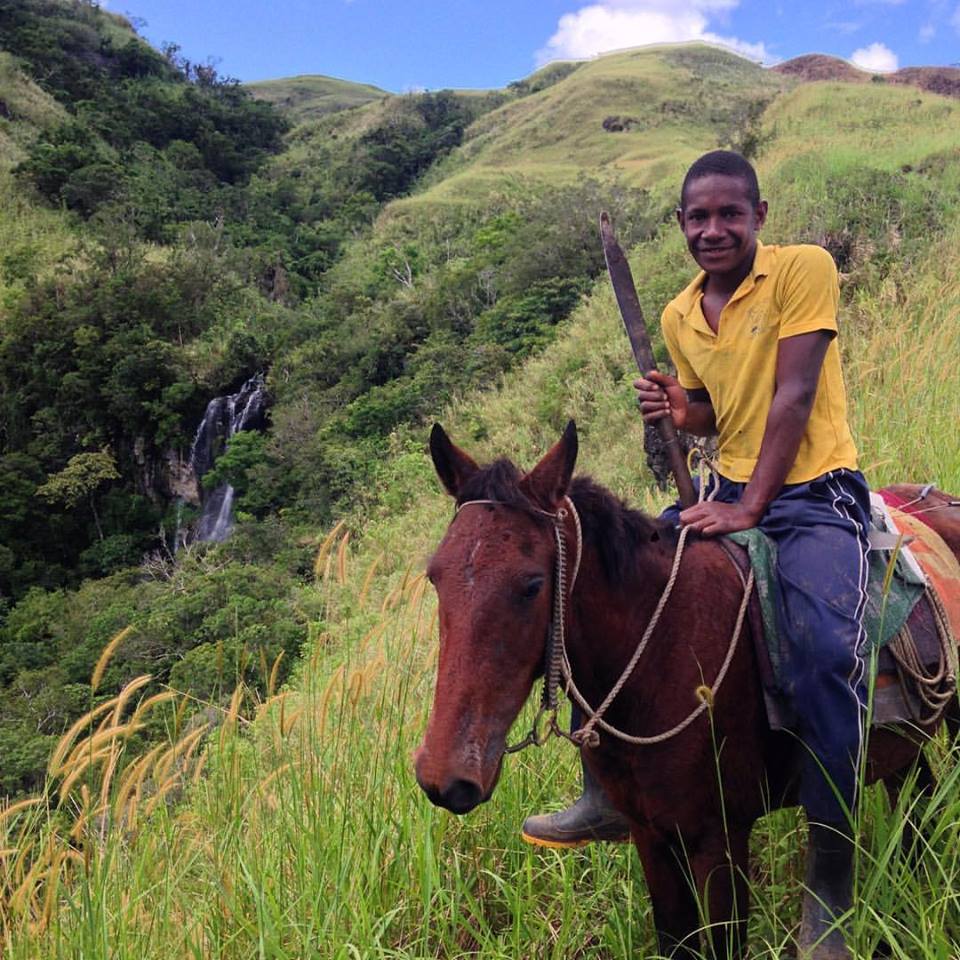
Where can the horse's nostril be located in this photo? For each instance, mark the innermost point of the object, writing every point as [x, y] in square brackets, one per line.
[461, 796]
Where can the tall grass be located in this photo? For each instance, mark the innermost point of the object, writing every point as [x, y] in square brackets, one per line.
[306, 836]
[293, 828]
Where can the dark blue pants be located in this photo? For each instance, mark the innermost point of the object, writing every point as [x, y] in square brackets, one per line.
[820, 529]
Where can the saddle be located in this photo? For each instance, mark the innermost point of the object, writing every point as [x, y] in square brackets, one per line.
[912, 618]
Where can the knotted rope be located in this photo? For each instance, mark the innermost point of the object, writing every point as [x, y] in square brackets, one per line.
[934, 690]
[587, 735]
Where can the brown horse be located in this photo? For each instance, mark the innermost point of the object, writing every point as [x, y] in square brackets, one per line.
[493, 573]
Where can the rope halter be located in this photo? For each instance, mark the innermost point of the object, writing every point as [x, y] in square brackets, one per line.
[555, 654]
[557, 662]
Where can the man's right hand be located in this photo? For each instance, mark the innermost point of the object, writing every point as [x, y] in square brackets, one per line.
[660, 395]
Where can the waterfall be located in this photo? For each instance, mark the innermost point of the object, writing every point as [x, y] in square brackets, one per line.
[178, 527]
[224, 417]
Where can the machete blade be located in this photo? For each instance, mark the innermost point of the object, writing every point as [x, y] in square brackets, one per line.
[626, 293]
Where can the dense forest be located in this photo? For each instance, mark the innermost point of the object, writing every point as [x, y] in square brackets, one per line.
[203, 241]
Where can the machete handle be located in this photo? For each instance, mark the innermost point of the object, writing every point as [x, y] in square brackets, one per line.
[626, 293]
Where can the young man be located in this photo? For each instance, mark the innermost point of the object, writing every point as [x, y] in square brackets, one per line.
[753, 339]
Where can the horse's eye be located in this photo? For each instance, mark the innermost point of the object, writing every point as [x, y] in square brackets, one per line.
[532, 587]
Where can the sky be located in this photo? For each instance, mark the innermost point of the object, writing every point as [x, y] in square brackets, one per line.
[403, 45]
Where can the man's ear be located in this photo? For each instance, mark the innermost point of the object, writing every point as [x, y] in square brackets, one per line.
[547, 483]
[761, 214]
[453, 466]
[679, 213]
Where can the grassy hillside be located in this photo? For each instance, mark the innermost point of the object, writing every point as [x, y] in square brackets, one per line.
[644, 114]
[30, 232]
[311, 96]
[298, 831]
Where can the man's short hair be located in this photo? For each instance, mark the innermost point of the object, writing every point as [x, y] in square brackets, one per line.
[728, 164]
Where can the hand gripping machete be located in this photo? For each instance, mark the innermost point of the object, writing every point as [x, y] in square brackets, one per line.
[626, 294]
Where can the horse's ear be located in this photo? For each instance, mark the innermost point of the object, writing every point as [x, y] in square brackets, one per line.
[453, 466]
[547, 483]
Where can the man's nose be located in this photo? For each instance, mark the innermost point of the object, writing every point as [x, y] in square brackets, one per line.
[713, 228]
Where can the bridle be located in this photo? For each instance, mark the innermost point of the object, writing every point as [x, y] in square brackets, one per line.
[557, 662]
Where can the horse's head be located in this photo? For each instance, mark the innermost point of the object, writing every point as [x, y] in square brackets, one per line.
[493, 573]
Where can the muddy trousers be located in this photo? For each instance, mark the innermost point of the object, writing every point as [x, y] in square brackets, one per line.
[820, 531]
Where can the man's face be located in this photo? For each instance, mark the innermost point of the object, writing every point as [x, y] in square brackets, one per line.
[721, 224]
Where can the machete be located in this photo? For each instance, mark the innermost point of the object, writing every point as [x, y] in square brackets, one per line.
[626, 294]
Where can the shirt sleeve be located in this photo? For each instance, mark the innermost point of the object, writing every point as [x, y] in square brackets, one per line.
[808, 293]
[685, 373]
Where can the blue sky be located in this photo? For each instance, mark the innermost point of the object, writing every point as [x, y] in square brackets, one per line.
[412, 44]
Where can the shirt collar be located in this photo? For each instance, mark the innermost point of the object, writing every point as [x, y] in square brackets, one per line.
[762, 265]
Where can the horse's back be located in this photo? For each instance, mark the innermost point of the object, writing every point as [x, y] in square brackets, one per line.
[944, 517]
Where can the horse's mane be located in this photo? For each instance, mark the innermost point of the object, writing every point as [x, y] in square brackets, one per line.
[498, 481]
[613, 529]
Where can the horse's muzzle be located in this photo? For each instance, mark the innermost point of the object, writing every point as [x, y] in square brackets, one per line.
[458, 794]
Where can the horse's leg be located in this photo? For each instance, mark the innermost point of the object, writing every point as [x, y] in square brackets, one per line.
[672, 896]
[720, 866]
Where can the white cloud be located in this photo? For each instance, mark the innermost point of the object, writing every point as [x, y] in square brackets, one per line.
[616, 24]
[877, 58]
[927, 32]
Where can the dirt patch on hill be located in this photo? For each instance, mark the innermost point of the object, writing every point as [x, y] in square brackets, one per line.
[942, 80]
[818, 66]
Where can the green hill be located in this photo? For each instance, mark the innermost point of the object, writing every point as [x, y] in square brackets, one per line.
[642, 114]
[311, 96]
[241, 810]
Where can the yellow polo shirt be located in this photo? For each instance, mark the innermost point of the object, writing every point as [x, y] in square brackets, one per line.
[790, 290]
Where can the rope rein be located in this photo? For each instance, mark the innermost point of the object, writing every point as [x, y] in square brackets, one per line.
[557, 664]
[587, 735]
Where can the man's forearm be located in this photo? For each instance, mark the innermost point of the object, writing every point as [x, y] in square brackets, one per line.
[786, 423]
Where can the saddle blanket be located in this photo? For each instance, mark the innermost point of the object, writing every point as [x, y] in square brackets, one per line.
[906, 558]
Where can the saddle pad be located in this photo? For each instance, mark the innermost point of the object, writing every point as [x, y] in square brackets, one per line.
[892, 601]
[888, 603]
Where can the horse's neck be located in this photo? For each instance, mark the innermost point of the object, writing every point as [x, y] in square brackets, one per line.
[609, 618]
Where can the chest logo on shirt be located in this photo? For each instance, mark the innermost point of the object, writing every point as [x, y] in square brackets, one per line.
[758, 318]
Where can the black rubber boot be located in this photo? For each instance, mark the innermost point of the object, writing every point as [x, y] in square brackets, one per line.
[589, 819]
[828, 893]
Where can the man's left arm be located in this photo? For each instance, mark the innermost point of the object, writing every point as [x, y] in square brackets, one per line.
[799, 360]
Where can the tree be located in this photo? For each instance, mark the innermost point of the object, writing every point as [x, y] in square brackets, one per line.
[79, 480]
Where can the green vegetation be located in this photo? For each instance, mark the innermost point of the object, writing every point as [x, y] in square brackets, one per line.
[430, 256]
[161, 251]
[311, 97]
[150, 137]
